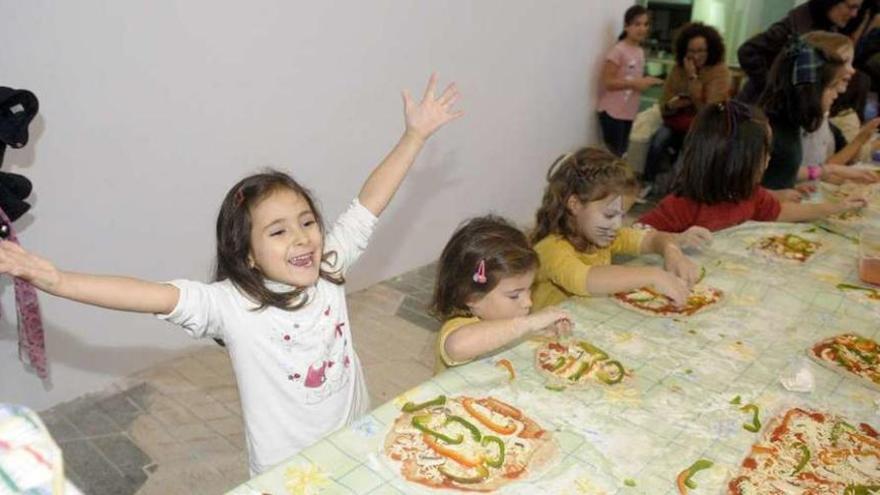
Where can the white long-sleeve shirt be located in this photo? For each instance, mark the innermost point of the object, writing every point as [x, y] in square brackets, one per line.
[298, 375]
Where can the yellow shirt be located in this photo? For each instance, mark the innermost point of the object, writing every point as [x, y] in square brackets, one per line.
[449, 326]
[563, 270]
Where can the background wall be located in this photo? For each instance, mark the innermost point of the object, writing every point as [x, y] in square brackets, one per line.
[150, 111]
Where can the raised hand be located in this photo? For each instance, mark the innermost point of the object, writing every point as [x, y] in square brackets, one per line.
[428, 115]
[17, 262]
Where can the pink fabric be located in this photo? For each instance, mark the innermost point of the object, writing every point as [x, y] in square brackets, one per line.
[31, 345]
[630, 62]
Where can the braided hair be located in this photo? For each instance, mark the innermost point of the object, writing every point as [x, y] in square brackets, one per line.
[590, 174]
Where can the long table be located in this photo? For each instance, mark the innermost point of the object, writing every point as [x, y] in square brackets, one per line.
[636, 437]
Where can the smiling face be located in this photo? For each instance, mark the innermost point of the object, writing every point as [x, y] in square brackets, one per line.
[509, 299]
[599, 221]
[286, 243]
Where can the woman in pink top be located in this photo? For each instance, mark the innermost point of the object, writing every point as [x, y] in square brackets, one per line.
[623, 81]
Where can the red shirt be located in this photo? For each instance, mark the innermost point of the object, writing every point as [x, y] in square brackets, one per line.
[677, 214]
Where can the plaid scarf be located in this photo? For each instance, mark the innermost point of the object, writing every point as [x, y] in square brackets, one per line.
[807, 62]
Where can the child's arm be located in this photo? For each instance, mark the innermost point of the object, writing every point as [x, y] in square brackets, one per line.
[849, 152]
[675, 261]
[614, 83]
[611, 279]
[476, 339]
[802, 212]
[422, 120]
[121, 293]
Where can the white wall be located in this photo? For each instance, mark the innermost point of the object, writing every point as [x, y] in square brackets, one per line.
[150, 111]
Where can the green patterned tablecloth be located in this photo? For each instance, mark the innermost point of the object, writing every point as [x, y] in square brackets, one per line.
[675, 410]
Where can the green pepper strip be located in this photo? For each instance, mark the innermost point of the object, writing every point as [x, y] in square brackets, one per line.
[861, 489]
[755, 425]
[805, 458]
[419, 423]
[475, 432]
[702, 274]
[856, 287]
[555, 388]
[560, 362]
[413, 407]
[591, 349]
[584, 367]
[498, 461]
[602, 375]
[736, 400]
[837, 430]
[482, 474]
[697, 466]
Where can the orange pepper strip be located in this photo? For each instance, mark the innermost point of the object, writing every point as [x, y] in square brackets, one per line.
[504, 430]
[507, 364]
[873, 442]
[760, 449]
[680, 481]
[451, 454]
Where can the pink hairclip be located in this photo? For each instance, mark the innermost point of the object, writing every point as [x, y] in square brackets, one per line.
[480, 275]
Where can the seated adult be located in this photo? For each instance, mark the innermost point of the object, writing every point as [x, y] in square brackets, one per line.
[802, 85]
[699, 77]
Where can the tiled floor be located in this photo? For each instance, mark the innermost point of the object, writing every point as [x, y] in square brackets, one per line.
[176, 428]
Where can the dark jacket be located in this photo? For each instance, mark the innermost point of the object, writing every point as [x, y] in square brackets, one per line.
[757, 54]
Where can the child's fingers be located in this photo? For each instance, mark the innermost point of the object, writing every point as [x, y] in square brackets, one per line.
[449, 94]
[407, 100]
[432, 86]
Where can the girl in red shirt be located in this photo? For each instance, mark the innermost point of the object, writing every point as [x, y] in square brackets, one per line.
[725, 155]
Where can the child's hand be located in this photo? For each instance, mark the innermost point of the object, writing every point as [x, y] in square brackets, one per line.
[17, 262]
[431, 113]
[680, 265]
[852, 202]
[805, 189]
[550, 321]
[838, 174]
[695, 237]
[672, 287]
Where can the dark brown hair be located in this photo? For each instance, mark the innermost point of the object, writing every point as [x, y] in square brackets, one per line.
[234, 240]
[630, 17]
[724, 154]
[714, 43]
[801, 104]
[491, 239]
[590, 174]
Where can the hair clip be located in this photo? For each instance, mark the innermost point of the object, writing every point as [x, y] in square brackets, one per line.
[480, 275]
[239, 197]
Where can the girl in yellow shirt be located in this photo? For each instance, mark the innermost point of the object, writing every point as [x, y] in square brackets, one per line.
[483, 292]
[580, 226]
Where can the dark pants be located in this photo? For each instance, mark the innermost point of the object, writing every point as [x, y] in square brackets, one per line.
[615, 133]
[662, 151]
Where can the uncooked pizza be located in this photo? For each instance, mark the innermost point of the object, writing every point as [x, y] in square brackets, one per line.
[851, 353]
[650, 302]
[577, 363]
[787, 247]
[467, 443]
[810, 452]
